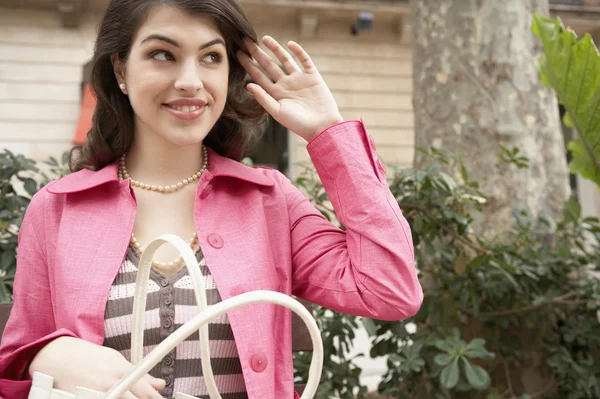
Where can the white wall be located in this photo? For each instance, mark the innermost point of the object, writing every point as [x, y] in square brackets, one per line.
[40, 76]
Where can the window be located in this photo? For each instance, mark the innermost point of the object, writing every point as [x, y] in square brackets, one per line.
[272, 148]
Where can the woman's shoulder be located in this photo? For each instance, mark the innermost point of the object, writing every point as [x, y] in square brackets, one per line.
[260, 176]
[83, 180]
[276, 179]
[273, 175]
[48, 197]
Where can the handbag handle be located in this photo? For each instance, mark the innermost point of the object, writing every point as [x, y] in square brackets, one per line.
[217, 310]
[42, 384]
[139, 304]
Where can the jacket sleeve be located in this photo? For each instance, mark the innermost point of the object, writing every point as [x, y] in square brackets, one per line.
[31, 324]
[369, 269]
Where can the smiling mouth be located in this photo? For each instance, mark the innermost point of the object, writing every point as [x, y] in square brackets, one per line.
[184, 108]
[186, 112]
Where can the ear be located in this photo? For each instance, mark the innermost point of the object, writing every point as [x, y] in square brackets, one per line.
[118, 68]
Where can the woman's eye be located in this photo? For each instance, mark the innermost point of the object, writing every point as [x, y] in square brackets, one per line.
[161, 55]
[213, 58]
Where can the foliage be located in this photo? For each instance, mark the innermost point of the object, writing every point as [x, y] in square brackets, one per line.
[494, 307]
[20, 179]
[571, 67]
[340, 376]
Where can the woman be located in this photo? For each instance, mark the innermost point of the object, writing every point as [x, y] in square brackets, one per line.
[172, 120]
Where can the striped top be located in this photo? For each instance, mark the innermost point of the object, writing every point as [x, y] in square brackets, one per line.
[171, 303]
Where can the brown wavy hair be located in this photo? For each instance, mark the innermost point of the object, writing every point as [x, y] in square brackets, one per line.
[113, 121]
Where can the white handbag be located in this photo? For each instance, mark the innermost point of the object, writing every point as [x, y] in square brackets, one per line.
[42, 386]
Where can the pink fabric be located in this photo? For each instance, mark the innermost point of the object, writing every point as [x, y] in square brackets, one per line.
[257, 232]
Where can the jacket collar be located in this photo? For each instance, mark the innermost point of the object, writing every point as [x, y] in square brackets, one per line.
[219, 166]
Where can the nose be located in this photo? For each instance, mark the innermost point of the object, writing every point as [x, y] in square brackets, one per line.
[188, 79]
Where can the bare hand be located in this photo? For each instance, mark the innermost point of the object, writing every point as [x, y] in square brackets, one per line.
[73, 362]
[298, 99]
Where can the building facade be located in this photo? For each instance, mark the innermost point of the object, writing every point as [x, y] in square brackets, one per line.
[41, 69]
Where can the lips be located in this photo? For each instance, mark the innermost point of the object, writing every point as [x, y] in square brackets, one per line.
[183, 102]
[186, 109]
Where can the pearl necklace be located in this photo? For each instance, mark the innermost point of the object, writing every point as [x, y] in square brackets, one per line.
[124, 174]
[160, 265]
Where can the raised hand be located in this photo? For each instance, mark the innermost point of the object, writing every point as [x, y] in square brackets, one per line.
[297, 98]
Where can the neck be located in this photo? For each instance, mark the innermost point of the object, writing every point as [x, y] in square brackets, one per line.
[162, 163]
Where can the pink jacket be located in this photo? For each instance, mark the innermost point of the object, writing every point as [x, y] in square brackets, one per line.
[256, 231]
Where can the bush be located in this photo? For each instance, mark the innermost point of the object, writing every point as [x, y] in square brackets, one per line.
[20, 178]
[500, 314]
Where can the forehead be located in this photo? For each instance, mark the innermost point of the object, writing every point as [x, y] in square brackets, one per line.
[177, 24]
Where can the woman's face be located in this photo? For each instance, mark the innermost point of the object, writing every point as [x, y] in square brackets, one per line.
[176, 76]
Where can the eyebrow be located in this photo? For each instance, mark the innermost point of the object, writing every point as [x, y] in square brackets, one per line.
[174, 43]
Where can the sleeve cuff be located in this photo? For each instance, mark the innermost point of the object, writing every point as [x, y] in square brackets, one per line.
[15, 366]
[347, 143]
[340, 125]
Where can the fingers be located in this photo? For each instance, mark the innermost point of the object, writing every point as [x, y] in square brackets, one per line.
[266, 63]
[286, 59]
[159, 385]
[303, 57]
[264, 99]
[156, 383]
[142, 389]
[255, 72]
[147, 387]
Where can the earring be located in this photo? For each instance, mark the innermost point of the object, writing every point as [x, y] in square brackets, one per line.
[122, 86]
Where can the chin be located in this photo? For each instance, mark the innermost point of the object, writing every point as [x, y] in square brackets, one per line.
[185, 136]
[186, 141]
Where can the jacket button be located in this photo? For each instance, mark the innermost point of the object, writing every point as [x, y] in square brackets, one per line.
[259, 363]
[215, 241]
[206, 191]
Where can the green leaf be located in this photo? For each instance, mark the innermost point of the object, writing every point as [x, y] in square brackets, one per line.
[460, 264]
[7, 259]
[571, 67]
[444, 346]
[65, 157]
[30, 186]
[449, 375]
[448, 182]
[418, 223]
[443, 359]
[477, 376]
[580, 164]
[326, 214]
[370, 326]
[567, 120]
[572, 209]
[477, 343]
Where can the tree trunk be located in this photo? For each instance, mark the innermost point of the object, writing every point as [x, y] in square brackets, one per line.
[476, 87]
